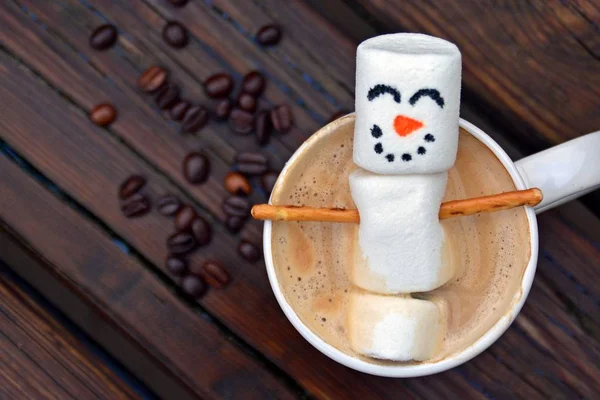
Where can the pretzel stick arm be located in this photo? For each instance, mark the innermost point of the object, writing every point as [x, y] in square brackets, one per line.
[455, 208]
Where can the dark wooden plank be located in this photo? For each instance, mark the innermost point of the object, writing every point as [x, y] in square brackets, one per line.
[35, 344]
[148, 313]
[529, 61]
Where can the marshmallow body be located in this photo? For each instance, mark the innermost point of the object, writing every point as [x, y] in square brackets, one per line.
[395, 328]
[407, 104]
[400, 238]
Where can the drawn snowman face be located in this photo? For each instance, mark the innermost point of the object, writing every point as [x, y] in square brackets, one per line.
[403, 125]
[407, 104]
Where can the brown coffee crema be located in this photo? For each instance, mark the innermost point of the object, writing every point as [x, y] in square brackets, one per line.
[312, 259]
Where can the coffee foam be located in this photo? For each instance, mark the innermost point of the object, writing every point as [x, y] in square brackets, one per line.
[313, 259]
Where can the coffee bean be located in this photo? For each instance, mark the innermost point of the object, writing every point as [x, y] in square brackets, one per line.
[268, 181]
[251, 163]
[236, 206]
[196, 168]
[281, 118]
[268, 35]
[177, 112]
[249, 251]
[167, 96]
[184, 218]
[218, 85]
[214, 274]
[176, 265]
[152, 79]
[103, 114]
[194, 119]
[237, 184]
[135, 206]
[168, 205]
[223, 109]
[201, 231]
[241, 121]
[338, 115]
[175, 34]
[178, 3]
[246, 102]
[131, 186]
[103, 37]
[181, 243]
[254, 83]
[234, 224]
[262, 128]
[193, 286]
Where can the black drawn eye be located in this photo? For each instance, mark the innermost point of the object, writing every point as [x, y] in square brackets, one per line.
[434, 94]
[379, 90]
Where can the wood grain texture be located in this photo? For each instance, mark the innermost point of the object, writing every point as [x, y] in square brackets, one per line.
[557, 334]
[146, 311]
[39, 356]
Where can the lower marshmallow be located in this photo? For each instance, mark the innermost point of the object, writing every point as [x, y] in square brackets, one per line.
[400, 239]
[394, 327]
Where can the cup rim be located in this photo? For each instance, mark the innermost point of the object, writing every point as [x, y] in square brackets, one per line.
[425, 368]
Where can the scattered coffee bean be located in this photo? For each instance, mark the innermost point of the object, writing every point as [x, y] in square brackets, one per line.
[103, 114]
[181, 243]
[249, 251]
[254, 83]
[177, 112]
[236, 206]
[263, 127]
[168, 205]
[234, 224]
[218, 85]
[223, 109]
[247, 102]
[193, 286]
[214, 274]
[268, 181]
[241, 121]
[175, 34]
[251, 163]
[194, 119]
[152, 79]
[131, 186]
[184, 218]
[338, 115]
[268, 35]
[135, 206]
[176, 265]
[201, 231]
[281, 118]
[103, 37]
[167, 96]
[178, 3]
[237, 184]
[196, 168]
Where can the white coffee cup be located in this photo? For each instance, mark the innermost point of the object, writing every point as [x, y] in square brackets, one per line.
[563, 173]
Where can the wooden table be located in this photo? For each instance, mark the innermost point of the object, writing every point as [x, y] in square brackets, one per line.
[531, 80]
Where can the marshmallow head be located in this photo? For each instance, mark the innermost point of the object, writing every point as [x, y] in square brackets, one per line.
[407, 104]
[395, 328]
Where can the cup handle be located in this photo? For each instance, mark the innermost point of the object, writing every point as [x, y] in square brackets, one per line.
[564, 172]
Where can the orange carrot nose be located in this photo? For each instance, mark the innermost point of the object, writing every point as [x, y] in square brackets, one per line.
[404, 126]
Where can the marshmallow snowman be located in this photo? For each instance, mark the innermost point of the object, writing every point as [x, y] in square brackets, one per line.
[405, 141]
